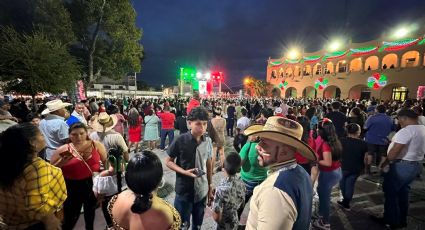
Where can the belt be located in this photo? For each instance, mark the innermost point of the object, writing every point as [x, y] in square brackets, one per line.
[405, 161]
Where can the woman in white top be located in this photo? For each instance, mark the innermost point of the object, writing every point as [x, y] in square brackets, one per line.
[405, 152]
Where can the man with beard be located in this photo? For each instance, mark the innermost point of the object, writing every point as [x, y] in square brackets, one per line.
[284, 199]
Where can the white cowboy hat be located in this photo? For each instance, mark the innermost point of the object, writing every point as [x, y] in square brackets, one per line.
[55, 105]
[285, 131]
[278, 110]
[104, 122]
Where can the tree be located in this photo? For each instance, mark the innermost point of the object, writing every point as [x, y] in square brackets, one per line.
[28, 16]
[30, 64]
[107, 38]
[257, 87]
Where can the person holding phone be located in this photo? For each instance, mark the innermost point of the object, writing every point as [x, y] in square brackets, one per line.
[190, 157]
[78, 160]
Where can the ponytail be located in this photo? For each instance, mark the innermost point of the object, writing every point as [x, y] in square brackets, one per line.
[141, 203]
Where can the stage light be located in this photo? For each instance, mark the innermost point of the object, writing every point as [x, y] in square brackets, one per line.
[208, 76]
[199, 75]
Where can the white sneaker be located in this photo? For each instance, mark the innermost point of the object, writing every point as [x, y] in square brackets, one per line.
[320, 225]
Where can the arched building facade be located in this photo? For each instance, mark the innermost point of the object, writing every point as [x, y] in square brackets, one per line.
[397, 68]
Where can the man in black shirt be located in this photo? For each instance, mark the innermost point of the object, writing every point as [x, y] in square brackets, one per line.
[338, 119]
[231, 112]
[181, 123]
[190, 157]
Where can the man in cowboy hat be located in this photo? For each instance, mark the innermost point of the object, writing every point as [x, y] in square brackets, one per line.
[53, 126]
[103, 125]
[284, 199]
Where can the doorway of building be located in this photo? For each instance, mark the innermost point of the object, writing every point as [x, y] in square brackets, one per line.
[400, 93]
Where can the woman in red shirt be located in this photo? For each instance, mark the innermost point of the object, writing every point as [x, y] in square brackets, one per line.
[134, 129]
[79, 160]
[328, 149]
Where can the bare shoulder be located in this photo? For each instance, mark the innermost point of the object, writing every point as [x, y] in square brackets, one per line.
[98, 144]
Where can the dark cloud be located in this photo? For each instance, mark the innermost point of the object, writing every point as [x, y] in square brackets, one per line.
[238, 36]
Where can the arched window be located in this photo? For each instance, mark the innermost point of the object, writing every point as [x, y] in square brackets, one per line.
[317, 69]
[329, 68]
[371, 63]
[389, 61]
[341, 66]
[307, 70]
[281, 73]
[356, 65]
[410, 59]
[288, 72]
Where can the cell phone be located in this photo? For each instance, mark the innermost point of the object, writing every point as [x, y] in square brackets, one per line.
[65, 154]
[199, 172]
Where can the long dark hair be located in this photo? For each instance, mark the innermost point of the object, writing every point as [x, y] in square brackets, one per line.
[305, 123]
[143, 175]
[133, 117]
[328, 134]
[16, 151]
[310, 112]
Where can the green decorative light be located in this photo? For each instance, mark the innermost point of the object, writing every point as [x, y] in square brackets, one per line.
[421, 42]
[363, 49]
[333, 55]
[312, 58]
[275, 63]
[292, 61]
[401, 42]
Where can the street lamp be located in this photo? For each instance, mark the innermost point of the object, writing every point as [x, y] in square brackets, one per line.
[335, 45]
[293, 54]
[401, 32]
[246, 81]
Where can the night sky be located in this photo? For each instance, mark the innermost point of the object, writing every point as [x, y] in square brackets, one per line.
[238, 36]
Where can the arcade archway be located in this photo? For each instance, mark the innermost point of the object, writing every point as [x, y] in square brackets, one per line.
[359, 92]
[332, 91]
[291, 92]
[309, 92]
[395, 91]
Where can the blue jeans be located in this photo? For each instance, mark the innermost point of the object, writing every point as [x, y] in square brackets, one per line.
[164, 134]
[186, 208]
[324, 188]
[396, 189]
[347, 183]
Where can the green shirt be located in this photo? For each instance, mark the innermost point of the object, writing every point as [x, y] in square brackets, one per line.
[251, 170]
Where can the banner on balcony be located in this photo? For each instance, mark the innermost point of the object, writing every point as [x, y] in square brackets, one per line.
[421, 92]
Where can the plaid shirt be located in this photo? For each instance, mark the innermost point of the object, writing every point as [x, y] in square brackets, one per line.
[40, 191]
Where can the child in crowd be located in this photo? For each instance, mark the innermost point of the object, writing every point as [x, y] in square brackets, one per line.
[229, 195]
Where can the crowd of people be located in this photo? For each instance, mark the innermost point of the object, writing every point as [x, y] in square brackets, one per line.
[64, 156]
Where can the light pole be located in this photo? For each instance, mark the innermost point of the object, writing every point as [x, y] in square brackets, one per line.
[219, 83]
[135, 84]
[181, 81]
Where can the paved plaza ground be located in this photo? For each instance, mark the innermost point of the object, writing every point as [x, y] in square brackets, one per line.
[368, 200]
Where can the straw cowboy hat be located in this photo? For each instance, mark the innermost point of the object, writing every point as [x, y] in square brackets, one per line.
[104, 122]
[285, 131]
[55, 105]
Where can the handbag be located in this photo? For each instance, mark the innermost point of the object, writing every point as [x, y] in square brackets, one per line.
[109, 185]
